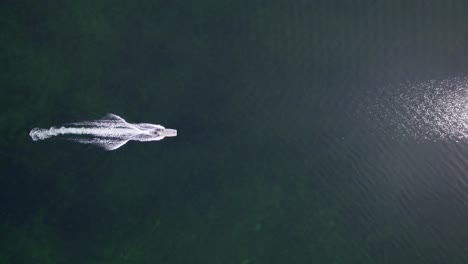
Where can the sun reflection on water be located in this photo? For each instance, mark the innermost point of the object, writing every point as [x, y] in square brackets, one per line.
[431, 110]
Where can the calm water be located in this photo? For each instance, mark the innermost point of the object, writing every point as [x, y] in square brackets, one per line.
[308, 132]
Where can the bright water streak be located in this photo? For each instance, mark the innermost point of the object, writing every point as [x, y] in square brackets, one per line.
[109, 132]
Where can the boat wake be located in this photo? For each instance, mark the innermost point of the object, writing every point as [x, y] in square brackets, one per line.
[110, 132]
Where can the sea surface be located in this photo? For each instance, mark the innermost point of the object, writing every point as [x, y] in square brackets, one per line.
[317, 131]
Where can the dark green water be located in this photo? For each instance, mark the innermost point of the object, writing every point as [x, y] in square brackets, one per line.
[287, 151]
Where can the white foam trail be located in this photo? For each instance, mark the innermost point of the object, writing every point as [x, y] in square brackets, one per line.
[109, 132]
[40, 134]
[432, 110]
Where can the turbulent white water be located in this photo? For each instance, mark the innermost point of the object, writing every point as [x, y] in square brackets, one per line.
[109, 132]
[432, 110]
